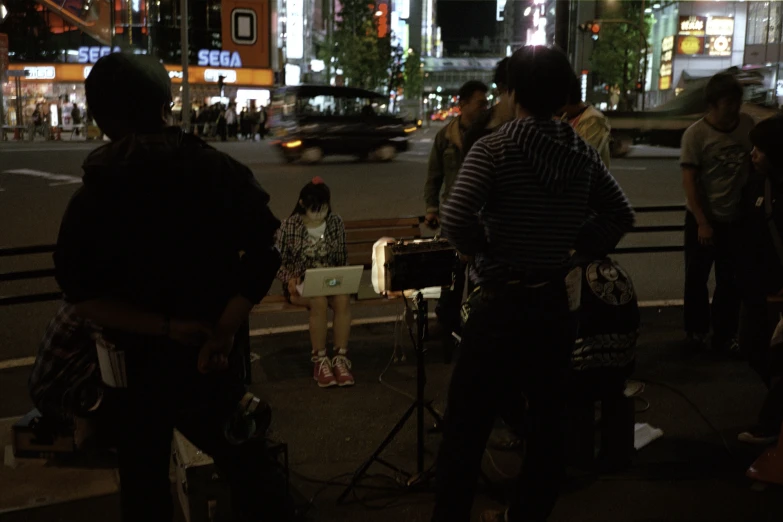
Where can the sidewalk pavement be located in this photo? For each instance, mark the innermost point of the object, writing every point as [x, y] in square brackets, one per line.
[699, 401]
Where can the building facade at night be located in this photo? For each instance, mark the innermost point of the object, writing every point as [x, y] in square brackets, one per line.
[691, 40]
[55, 43]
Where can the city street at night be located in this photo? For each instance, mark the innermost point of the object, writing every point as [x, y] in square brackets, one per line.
[37, 179]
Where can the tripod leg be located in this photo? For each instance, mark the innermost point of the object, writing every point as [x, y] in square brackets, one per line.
[435, 415]
[364, 467]
[421, 381]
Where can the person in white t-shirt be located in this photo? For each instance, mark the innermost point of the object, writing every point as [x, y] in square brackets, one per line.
[314, 237]
[715, 161]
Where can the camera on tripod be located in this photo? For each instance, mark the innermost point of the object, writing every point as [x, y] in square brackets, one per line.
[407, 268]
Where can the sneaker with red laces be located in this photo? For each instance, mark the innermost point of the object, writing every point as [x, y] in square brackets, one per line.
[759, 436]
[322, 373]
[342, 370]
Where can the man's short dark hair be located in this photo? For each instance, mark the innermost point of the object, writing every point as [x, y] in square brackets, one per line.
[470, 88]
[540, 78]
[721, 86]
[767, 136]
[128, 91]
[500, 78]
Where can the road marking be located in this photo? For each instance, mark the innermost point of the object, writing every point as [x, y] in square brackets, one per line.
[276, 330]
[258, 332]
[661, 303]
[61, 179]
[16, 363]
[48, 149]
[627, 168]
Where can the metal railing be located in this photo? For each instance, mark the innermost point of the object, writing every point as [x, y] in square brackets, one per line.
[243, 338]
[54, 296]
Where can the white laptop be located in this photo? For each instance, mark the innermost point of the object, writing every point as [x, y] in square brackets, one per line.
[335, 280]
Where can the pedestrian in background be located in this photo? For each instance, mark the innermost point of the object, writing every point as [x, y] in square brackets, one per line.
[526, 196]
[448, 152]
[231, 121]
[170, 286]
[715, 160]
[590, 123]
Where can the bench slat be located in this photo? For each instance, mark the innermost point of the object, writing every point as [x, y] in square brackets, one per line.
[382, 223]
[371, 235]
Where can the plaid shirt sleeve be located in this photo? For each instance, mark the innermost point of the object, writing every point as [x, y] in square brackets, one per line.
[292, 265]
[335, 235]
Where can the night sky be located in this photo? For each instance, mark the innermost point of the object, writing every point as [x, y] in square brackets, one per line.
[461, 20]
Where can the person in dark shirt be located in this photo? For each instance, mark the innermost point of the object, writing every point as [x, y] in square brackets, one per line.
[760, 274]
[448, 151]
[526, 196]
[166, 247]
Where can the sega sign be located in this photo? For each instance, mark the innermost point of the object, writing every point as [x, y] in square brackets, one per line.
[215, 58]
[95, 53]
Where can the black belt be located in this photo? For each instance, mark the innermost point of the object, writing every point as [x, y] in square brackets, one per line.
[528, 279]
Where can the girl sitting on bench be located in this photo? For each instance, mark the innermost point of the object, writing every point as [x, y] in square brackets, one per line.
[314, 237]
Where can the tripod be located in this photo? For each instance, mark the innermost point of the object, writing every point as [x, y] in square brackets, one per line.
[419, 314]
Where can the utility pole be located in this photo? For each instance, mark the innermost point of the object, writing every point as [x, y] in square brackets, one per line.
[329, 39]
[562, 15]
[183, 26]
[642, 30]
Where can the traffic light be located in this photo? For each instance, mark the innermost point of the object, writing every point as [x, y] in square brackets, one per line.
[639, 87]
[594, 28]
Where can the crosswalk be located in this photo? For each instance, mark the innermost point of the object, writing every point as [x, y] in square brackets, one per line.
[55, 180]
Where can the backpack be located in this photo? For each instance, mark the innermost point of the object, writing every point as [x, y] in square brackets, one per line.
[608, 321]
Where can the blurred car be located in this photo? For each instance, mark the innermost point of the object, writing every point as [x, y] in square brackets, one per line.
[308, 122]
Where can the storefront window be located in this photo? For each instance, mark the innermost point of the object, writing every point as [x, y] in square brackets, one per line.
[775, 16]
[758, 22]
[34, 94]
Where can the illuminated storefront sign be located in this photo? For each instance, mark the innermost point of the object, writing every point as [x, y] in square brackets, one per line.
[41, 73]
[295, 29]
[404, 8]
[719, 46]
[382, 13]
[293, 73]
[667, 58]
[501, 6]
[213, 75]
[720, 26]
[76, 73]
[95, 53]
[690, 45]
[692, 25]
[216, 58]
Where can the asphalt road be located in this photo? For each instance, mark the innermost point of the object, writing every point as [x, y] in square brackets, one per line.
[37, 180]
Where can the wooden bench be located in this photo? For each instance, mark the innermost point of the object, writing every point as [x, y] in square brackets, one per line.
[360, 236]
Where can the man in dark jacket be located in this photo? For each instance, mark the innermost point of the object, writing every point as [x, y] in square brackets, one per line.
[526, 195]
[167, 247]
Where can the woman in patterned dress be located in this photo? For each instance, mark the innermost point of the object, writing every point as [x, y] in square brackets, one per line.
[314, 237]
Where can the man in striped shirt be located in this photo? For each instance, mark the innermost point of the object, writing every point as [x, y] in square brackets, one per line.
[526, 197]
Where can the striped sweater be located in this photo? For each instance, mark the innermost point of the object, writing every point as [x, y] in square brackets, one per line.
[528, 194]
